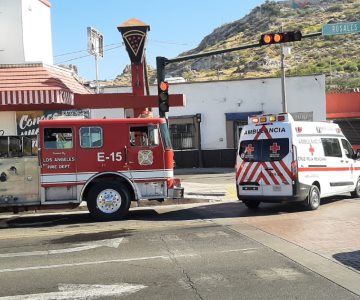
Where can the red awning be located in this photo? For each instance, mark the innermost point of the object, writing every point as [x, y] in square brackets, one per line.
[33, 84]
[36, 97]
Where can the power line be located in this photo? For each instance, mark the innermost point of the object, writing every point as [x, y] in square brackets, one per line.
[79, 51]
[79, 57]
[150, 40]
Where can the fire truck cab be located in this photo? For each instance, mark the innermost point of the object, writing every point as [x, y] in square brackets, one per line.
[282, 160]
[107, 162]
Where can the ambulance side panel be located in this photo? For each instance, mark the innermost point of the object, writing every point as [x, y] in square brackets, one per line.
[323, 161]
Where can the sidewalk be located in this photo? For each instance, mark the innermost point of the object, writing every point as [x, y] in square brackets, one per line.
[189, 171]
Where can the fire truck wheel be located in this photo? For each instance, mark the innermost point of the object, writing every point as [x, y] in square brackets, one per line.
[313, 200]
[356, 193]
[251, 204]
[108, 201]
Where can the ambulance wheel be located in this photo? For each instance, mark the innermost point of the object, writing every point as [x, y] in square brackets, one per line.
[313, 200]
[108, 201]
[251, 204]
[356, 193]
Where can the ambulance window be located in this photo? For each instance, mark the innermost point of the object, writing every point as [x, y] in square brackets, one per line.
[275, 149]
[250, 150]
[264, 150]
[331, 147]
[91, 137]
[58, 138]
[349, 152]
[144, 136]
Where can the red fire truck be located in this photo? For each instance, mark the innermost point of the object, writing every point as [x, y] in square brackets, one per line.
[107, 163]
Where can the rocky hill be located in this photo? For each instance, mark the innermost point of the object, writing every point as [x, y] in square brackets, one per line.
[336, 56]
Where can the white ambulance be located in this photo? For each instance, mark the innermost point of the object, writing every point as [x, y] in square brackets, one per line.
[282, 160]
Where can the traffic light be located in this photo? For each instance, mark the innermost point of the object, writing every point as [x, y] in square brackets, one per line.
[163, 91]
[280, 37]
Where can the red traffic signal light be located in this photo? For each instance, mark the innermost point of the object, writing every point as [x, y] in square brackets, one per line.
[280, 37]
[163, 92]
[164, 86]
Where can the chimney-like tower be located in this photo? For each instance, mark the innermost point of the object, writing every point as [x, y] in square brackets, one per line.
[134, 33]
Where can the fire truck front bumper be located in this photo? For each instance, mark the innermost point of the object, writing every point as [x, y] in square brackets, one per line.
[176, 193]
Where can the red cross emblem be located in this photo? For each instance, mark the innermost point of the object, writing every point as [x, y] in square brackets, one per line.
[311, 150]
[249, 149]
[274, 148]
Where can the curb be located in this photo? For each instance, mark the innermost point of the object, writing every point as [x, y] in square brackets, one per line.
[166, 202]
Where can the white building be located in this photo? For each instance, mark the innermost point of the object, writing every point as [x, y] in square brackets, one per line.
[224, 107]
[25, 30]
[31, 87]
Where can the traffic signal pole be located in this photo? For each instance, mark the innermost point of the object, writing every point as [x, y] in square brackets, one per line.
[161, 62]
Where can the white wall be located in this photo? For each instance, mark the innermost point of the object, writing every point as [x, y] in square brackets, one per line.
[8, 122]
[114, 113]
[37, 32]
[11, 41]
[25, 30]
[214, 99]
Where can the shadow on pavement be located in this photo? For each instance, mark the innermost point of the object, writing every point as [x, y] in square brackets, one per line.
[350, 259]
[95, 236]
[207, 211]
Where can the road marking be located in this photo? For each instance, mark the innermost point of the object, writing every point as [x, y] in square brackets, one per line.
[88, 263]
[239, 250]
[82, 291]
[211, 234]
[113, 243]
[278, 273]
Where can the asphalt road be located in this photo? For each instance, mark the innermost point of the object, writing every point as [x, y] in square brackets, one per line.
[194, 251]
[162, 253]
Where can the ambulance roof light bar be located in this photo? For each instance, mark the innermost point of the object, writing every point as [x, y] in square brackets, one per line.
[269, 118]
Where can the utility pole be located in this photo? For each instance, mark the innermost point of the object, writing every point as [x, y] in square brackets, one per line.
[97, 73]
[283, 87]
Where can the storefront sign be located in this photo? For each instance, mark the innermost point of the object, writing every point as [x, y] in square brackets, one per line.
[28, 121]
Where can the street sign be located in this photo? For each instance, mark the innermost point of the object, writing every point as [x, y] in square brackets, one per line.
[341, 28]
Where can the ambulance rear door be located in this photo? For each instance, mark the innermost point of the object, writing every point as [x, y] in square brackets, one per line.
[266, 166]
[276, 162]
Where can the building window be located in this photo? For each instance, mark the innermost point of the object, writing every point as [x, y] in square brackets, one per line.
[18, 146]
[182, 136]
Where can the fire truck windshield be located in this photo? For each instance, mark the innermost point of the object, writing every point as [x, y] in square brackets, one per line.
[165, 136]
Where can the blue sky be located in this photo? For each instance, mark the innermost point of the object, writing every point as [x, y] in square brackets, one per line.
[175, 27]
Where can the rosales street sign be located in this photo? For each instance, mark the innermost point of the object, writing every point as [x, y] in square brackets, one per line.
[341, 28]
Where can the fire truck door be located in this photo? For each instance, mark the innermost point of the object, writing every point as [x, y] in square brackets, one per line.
[145, 156]
[58, 165]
